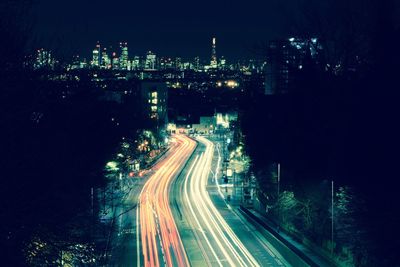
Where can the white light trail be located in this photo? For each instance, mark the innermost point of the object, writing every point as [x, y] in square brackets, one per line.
[208, 217]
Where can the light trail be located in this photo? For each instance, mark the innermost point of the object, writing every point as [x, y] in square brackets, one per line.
[196, 219]
[216, 173]
[225, 246]
[161, 244]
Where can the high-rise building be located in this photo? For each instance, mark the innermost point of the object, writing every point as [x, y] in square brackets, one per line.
[136, 63]
[169, 63]
[196, 63]
[163, 61]
[284, 60]
[214, 61]
[105, 60]
[96, 56]
[155, 98]
[76, 62]
[187, 65]
[166, 63]
[222, 63]
[124, 55]
[178, 63]
[44, 59]
[115, 61]
[83, 64]
[150, 63]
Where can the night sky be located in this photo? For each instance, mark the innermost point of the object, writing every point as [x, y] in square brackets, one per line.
[174, 28]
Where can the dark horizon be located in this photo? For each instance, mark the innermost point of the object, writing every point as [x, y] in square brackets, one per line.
[172, 29]
[176, 29]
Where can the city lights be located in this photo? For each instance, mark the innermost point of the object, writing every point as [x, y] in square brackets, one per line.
[199, 133]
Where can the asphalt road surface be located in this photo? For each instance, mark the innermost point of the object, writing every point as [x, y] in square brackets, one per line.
[161, 244]
[214, 233]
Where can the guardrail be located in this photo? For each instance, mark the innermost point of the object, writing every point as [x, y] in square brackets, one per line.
[291, 253]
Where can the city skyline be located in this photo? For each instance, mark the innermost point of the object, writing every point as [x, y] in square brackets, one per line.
[115, 49]
[122, 58]
[118, 58]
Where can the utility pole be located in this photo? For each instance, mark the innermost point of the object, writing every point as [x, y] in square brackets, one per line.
[92, 209]
[234, 186]
[92, 200]
[279, 204]
[279, 178]
[332, 196]
[225, 161]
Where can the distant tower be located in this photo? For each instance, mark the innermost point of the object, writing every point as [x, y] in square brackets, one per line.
[96, 56]
[44, 59]
[115, 61]
[136, 63]
[222, 63]
[105, 60]
[214, 62]
[178, 63]
[124, 55]
[150, 63]
[196, 63]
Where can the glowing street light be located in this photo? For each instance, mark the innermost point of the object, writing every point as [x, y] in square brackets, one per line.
[112, 166]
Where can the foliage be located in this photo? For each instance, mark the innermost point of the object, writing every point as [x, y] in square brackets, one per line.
[54, 150]
[349, 232]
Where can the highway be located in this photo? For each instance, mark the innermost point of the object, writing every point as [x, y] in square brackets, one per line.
[212, 233]
[158, 240]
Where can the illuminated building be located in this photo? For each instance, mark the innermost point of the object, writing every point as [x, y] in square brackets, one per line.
[83, 64]
[96, 56]
[214, 61]
[135, 65]
[75, 62]
[163, 62]
[155, 97]
[169, 63]
[115, 61]
[124, 55]
[205, 126]
[78, 63]
[222, 63]
[178, 63]
[284, 60]
[150, 63]
[105, 60]
[44, 59]
[196, 63]
[166, 63]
